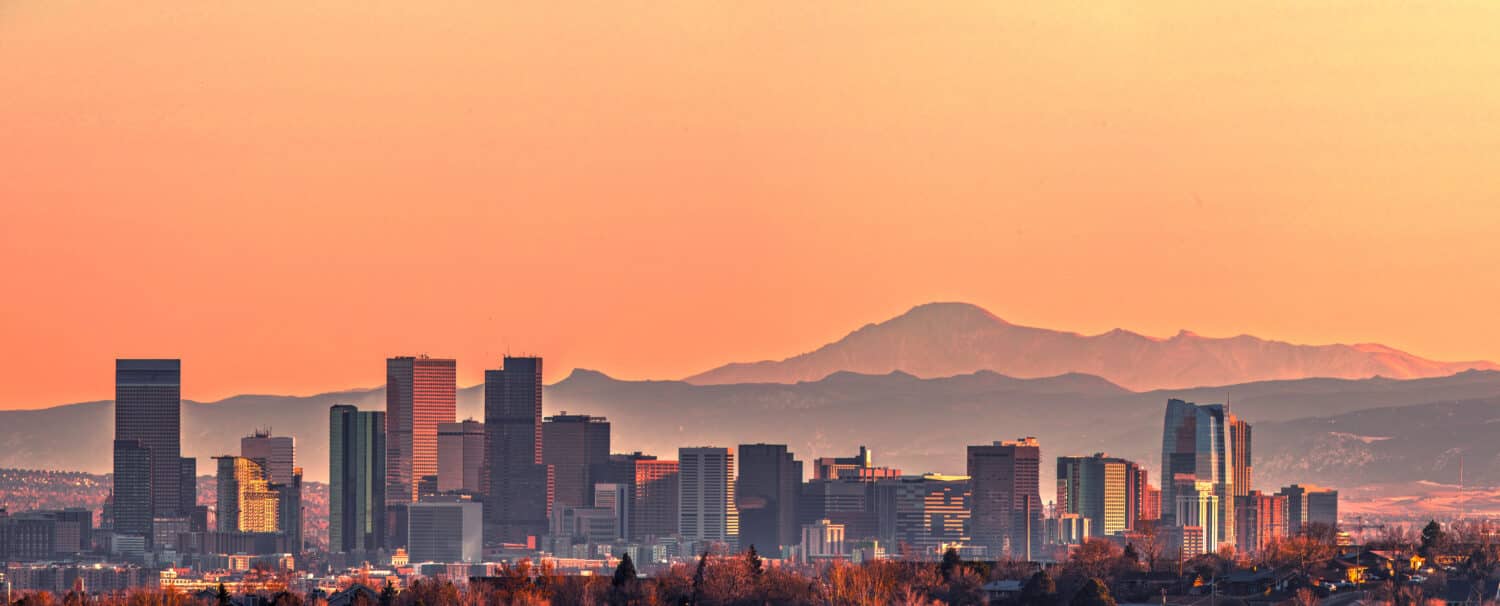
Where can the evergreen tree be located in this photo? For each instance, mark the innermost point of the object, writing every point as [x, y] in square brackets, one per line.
[388, 594]
[1130, 554]
[624, 573]
[222, 596]
[951, 563]
[1093, 593]
[1039, 590]
[698, 576]
[753, 559]
[1432, 536]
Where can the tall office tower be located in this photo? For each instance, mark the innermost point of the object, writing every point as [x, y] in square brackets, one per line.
[1197, 514]
[1104, 490]
[1197, 440]
[923, 513]
[654, 505]
[187, 493]
[419, 394]
[277, 454]
[460, 457]
[445, 529]
[1310, 505]
[1006, 499]
[247, 502]
[1150, 502]
[1239, 457]
[1259, 520]
[860, 466]
[148, 424]
[289, 517]
[520, 485]
[770, 479]
[356, 479]
[277, 457]
[572, 445]
[706, 509]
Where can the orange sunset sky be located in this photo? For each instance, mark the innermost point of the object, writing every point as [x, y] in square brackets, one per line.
[285, 192]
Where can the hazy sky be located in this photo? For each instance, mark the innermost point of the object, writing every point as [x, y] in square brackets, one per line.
[283, 193]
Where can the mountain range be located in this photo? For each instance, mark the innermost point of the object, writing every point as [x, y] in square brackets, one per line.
[1351, 434]
[947, 339]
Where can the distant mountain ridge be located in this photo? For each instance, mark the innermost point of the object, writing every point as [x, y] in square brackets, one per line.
[1347, 433]
[947, 339]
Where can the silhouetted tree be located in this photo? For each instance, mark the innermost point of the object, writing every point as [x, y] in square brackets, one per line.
[1432, 536]
[950, 564]
[752, 559]
[388, 594]
[1093, 593]
[1039, 590]
[221, 597]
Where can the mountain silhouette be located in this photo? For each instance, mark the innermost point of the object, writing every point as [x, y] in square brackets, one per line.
[947, 339]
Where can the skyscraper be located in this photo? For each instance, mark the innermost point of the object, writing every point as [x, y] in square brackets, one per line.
[246, 501]
[419, 394]
[1104, 490]
[148, 463]
[276, 454]
[277, 457]
[1310, 505]
[770, 480]
[572, 445]
[1006, 498]
[461, 457]
[1259, 519]
[520, 485]
[706, 507]
[1198, 442]
[1239, 457]
[1197, 511]
[356, 473]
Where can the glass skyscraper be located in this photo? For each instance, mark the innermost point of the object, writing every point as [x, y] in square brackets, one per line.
[148, 464]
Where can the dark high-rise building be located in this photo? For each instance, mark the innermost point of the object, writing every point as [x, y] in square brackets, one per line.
[357, 480]
[461, 457]
[1310, 505]
[572, 445]
[419, 394]
[1104, 490]
[850, 502]
[188, 492]
[289, 519]
[1004, 480]
[520, 485]
[148, 444]
[770, 480]
[1198, 445]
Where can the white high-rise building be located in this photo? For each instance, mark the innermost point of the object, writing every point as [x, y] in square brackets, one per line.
[706, 507]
